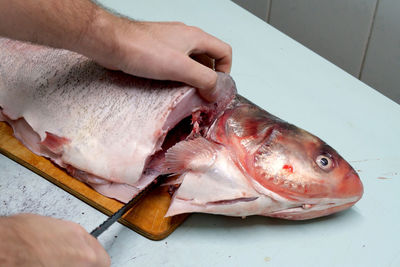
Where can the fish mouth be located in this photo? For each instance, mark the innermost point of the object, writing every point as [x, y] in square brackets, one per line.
[309, 211]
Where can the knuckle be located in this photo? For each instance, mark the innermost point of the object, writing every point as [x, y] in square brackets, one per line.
[195, 29]
[201, 42]
[178, 23]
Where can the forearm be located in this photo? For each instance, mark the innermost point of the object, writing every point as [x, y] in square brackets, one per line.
[156, 50]
[61, 24]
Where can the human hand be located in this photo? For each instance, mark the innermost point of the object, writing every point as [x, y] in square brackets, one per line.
[161, 50]
[157, 50]
[33, 240]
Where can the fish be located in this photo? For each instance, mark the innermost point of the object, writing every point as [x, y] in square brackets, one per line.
[118, 133]
[252, 163]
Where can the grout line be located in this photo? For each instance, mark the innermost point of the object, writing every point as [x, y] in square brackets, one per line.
[268, 12]
[368, 40]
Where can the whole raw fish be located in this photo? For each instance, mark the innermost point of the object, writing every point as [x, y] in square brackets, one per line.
[112, 130]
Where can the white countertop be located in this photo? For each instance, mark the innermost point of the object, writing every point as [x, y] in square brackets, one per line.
[297, 85]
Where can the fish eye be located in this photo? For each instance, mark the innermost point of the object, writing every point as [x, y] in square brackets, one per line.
[325, 162]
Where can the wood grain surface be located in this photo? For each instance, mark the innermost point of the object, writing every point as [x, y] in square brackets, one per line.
[146, 218]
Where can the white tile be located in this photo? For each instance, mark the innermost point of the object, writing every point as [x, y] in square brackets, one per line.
[337, 30]
[257, 7]
[382, 62]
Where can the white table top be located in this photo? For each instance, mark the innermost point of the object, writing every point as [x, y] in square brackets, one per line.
[297, 85]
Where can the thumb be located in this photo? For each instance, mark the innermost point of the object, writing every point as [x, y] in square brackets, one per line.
[201, 77]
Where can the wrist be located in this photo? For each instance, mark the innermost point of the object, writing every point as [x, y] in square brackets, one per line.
[98, 41]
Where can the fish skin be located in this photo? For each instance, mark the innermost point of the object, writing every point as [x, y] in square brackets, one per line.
[260, 165]
[102, 126]
[56, 87]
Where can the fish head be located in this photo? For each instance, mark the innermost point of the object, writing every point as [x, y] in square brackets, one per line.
[305, 172]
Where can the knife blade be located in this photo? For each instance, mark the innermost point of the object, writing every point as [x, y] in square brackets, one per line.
[124, 209]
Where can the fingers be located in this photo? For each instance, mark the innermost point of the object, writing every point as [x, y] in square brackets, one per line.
[163, 51]
[216, 49]
[199, 76]
[78, 247]
[100, 256]
[89, 251]
[104, 259]
[205, 60]
[204, 79]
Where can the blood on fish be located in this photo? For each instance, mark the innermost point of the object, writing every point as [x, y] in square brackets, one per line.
[287, 167]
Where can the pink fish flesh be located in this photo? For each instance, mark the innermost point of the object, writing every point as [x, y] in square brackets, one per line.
[111, 131]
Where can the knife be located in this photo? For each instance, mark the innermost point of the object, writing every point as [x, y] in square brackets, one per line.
[124, 209]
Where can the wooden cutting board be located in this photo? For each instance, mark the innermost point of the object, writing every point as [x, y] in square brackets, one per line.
[146, 218]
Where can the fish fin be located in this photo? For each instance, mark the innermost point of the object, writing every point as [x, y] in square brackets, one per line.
[54, 143]
[197, 155]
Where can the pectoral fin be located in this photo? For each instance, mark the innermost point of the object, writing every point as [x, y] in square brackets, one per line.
[196, 155]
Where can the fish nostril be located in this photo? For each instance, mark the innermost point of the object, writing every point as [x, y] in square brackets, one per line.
[351, 185]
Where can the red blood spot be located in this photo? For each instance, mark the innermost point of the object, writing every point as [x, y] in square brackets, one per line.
[289, 168]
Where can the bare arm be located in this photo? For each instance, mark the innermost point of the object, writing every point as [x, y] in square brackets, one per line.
[33, 240]
[149, 49]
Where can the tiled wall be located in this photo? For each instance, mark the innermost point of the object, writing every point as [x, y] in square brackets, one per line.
[360, 36]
